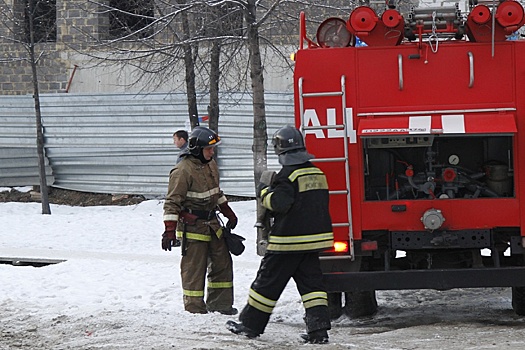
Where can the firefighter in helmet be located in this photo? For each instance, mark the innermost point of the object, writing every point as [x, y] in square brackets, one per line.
[298, 201]
[190, 215]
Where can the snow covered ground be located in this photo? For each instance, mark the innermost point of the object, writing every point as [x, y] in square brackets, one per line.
[117, 289]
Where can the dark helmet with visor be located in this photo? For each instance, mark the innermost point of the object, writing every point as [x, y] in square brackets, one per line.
[202, 137]
[287, 138]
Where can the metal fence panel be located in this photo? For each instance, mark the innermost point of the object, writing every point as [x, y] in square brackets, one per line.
[122, 143]
[18, 152]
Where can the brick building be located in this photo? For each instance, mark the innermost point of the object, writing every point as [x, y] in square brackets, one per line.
[63, 31]
[67, 31]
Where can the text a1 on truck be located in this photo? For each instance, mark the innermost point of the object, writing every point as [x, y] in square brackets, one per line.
[421, 133]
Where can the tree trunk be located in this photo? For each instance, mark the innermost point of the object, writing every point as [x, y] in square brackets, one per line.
[215, 74]
[260, 134]
[189, 64]
[39, 135]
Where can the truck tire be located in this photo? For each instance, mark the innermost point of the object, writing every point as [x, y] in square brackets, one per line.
[335, 305]
[518, 300]
[360, 304]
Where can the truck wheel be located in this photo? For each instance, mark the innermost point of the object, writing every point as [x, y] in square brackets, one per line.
[360, 304]
[518, 300]
[335, 305]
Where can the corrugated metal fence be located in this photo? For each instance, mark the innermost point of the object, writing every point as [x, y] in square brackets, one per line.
[18, 153]
[122, 143]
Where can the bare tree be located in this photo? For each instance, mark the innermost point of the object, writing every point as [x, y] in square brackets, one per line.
[207, 39]
[189, 65]
[28, 27]
[175, 34]
[260, 134]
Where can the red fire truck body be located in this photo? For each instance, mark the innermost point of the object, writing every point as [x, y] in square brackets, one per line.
[422, 141]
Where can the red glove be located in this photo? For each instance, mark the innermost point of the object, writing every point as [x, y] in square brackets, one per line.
[168, 237]
[229, 214]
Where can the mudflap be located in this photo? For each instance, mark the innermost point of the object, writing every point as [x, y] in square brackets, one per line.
[518, 300]
[335, 305]
[360, 304]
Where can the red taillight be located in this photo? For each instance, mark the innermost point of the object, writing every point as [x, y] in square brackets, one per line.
[343, 247]
[372, 245]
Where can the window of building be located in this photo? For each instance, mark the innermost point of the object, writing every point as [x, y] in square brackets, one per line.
[43, 15]
[130, 17]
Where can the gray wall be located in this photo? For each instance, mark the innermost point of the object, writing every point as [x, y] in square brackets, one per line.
[122, 143]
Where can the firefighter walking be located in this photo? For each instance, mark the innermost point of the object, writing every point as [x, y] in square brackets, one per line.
[190, 216]
[298, 201]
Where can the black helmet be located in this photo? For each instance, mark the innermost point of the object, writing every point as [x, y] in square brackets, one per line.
[286, 139]
[200, 138]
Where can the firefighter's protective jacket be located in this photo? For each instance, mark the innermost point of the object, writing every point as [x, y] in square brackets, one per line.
[297, 199]
[194, 186]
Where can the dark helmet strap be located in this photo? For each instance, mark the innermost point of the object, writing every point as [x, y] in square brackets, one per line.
[200, 156]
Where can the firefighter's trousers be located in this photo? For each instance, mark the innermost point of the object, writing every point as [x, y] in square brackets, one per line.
[273, 275]
[214, 259]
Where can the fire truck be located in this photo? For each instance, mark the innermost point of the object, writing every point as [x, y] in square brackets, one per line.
[418, 121]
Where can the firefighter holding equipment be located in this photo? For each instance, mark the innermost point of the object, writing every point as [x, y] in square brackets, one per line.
[190, 215]
[298, 201]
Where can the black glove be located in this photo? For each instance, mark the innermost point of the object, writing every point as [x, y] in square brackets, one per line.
[229, 214]
[261, 187]
[169, 238]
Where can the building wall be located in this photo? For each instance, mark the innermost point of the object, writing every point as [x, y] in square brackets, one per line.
[70, 64]
[67, 65]
[54, 69]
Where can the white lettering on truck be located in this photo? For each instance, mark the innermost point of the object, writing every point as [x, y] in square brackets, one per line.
[311, 119]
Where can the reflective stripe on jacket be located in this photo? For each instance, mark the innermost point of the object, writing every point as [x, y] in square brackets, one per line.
[194, 185]
[299, 200]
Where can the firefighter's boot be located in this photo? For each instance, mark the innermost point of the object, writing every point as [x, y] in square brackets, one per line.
[316, 337]
[239, 328]
[231, 311]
